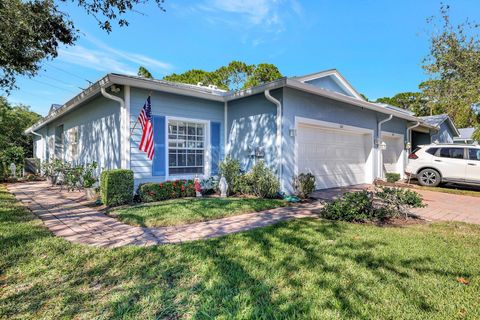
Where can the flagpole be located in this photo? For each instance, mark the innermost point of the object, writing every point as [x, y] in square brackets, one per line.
[135, 124]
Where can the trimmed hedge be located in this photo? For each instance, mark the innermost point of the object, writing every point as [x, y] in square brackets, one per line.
[116, 187]
[150, 192]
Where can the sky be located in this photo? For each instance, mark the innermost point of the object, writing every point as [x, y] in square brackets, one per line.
[378, 45]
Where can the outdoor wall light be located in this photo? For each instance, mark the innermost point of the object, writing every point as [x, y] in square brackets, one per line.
[292, 132]
[408, 145]
[383, 146]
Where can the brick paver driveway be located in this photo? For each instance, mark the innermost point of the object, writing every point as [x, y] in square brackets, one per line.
[440, 206]
[68, 214]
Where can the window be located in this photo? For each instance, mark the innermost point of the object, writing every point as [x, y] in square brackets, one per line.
[474, 154]
[432, 151]
[456, 153]
[186, 147]
[73, 137]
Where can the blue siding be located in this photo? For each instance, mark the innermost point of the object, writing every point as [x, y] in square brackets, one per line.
[98, 125]
[251, 124]
[301, 104]
[215, 146]
[168, 105]
[159, 139]
[330, 84]
[444, 135]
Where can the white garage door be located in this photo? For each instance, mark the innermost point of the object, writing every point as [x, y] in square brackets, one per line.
[392, 155]
[336, 157]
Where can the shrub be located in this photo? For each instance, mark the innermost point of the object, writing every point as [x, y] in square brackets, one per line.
[264, 182]
[396, 202]
[149, 192]
[209, 186]
[116, 187]
[230, 169]
[304, 185]
[352, 206]
[88, 176]
[384, 203]
[244, 184]
[392, 177]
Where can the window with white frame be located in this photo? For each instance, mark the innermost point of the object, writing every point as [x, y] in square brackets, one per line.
[73, 137]
[186, 147]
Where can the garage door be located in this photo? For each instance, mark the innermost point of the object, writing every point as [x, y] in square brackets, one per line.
[336, 157]
[392, 155]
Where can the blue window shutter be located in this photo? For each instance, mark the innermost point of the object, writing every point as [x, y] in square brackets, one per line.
[215, 146]
[159, 139]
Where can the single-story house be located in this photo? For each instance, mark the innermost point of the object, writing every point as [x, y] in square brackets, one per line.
[466, 135]
[316, 123]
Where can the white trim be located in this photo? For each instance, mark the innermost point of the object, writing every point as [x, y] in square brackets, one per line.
[226, 141]
[338, 78]
[369, 163]
[207, 160]
[126, 137]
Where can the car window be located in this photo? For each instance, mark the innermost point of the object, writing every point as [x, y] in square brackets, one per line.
[432, 151]
[474, 154]
[456, 153]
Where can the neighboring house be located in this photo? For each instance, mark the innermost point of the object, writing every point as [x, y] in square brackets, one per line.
[444, 132]
[465, 136]
[316, 123]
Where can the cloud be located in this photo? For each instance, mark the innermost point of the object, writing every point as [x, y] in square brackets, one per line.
[268, 15]
[258, 21]
[103, 57]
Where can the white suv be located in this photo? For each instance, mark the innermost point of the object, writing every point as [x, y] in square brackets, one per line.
[436, 163]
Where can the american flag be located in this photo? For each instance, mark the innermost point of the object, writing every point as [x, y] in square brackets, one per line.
[145, 119]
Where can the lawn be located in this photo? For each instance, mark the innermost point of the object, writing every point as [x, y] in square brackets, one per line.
[304, 269]
[454, 189]
[184, 211]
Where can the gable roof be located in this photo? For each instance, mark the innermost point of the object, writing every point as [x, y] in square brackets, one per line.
[336, 75]
[215, 94]
[438, 119]
[466, 133]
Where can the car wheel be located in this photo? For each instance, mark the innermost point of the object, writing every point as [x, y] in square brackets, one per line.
[429, 178]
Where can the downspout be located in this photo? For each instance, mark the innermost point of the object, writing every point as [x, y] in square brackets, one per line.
[123, 161]
[409, 134]
[279, 135]
[225, 129]
[379, 138]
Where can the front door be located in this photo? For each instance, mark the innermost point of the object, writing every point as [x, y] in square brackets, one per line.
[473, 166]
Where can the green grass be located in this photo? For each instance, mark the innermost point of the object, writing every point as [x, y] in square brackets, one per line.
[304, 269]
[184, 211]
[452, 190]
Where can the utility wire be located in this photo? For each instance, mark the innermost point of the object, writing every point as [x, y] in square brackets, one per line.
[71, 73]
[51, 85]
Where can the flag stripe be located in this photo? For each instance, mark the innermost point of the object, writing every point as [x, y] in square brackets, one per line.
[145, 119]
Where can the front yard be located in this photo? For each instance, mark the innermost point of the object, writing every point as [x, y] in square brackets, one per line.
[305, 269]
[185, 211]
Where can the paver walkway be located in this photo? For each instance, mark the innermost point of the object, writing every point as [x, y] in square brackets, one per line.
[441, 206]
[68, 215]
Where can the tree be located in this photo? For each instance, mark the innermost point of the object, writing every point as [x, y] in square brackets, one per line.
[235, 75]
[13, 121]
[143, 72]
[412, 101]
[453, 67]
[32, 30]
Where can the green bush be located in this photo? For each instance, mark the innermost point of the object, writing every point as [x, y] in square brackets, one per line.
[264, 182]
[352, 206]
[230, 169]
[116, 187]
[304, 185]
[149, 192]
[384, 203]
[392, 177]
